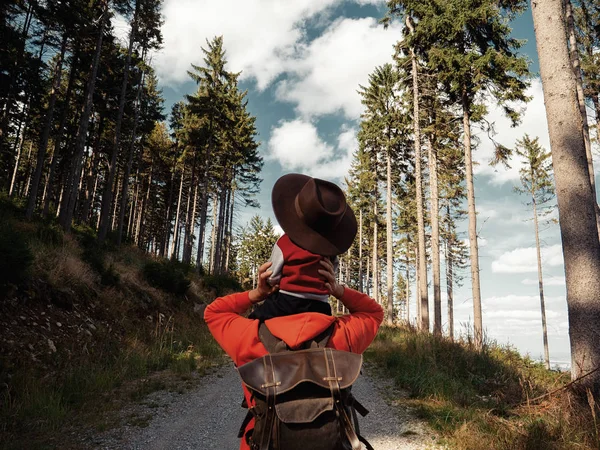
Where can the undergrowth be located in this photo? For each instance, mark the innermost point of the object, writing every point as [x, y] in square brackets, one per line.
[487, 399]
[141, 328]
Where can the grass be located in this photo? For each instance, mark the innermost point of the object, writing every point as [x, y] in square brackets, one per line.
[482, 399]
[141, 331]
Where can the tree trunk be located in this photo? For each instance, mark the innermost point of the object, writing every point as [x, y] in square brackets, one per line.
[213, 235]
[360, 250]
[474, 249]
[10, 88]
[407, 283]
[164, 243]
[107, 197]
[422, 262]
[28, 164]
[174, 254]
[41, 156]
[541, 284]
[60, 132]
[418, 290]
[435, 239]
[68, 203]
[367, 284]
[192, 226]
[375, 250]
[230, 231]
[125, 191]
[576, 208]
[92, 178]
[574, 54]
[450, 280]
[17, 159]
[390, 243]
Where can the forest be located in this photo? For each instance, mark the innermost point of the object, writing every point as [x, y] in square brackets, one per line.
[88, 150]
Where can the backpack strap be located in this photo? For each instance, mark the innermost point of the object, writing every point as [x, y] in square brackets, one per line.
[271, 343]
[270, 386]
[345, 422]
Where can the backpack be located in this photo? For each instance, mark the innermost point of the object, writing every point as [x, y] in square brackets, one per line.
[302, 398]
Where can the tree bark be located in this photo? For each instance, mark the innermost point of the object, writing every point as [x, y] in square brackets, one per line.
[125, 191]
[474, 248]
[60, 132]
[107, 197]
[174, 254]
[578, 226]
[435, 239]
[541, 284]
[41, 156]
[422, 261]
[375, 249]
[213, 234]
[360, 250]
[19, 146]
[68, 203]
[574, 54]
[390, 243]
[450, 279]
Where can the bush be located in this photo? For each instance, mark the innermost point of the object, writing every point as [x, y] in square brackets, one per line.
[221, 284]
[170, 276]
[94, 254]
[16, 259]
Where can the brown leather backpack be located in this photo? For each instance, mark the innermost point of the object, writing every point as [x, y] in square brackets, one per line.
[302, 398]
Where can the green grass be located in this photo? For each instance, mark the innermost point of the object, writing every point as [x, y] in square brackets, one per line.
[480, 399]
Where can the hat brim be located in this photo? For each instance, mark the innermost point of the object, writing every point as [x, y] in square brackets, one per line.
[331, 243]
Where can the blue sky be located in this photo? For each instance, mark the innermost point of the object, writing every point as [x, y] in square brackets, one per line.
[302, 62]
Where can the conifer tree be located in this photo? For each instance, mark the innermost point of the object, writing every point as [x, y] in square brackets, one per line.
[467, 44]
[576, 205]
[537, 183]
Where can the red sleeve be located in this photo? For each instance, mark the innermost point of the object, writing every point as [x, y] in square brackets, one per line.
[362, 323]
[225, 323]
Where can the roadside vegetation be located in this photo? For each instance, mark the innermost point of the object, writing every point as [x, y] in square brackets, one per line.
[86, 326]
[492, 399]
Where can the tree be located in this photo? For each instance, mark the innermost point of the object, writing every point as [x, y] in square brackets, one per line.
[380, 100]
[537, 183]
[254, 246]
[578, 226]
[467, 44]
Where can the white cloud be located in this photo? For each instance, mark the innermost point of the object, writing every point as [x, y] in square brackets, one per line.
[297, 146]
[121, 28]
[534, 314]
[548, 281]
[325, 74]
[523, 260]
[260, 36]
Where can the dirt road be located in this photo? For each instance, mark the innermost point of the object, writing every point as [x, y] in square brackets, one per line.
[208, 418]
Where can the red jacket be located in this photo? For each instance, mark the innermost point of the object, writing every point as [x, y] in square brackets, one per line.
[238, 336]
[297, 270]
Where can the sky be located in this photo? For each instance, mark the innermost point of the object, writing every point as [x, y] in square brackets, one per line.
[302, 63]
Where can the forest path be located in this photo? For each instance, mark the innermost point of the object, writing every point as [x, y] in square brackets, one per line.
[208, 417]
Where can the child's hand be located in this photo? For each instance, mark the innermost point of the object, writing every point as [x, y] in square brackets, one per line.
[332, 285]
[264, 289]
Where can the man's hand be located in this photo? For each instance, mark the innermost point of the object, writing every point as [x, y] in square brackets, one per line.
[333, 287]
[264, 289]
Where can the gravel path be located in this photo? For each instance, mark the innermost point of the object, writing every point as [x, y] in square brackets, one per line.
[208, 418]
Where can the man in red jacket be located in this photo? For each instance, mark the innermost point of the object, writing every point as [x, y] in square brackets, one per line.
[313, 212]
[238, 336]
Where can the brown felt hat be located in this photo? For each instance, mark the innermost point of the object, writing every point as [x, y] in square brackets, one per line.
[314, 214]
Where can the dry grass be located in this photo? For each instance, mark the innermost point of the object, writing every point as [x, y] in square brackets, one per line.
[481, 400]
[139, 330]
